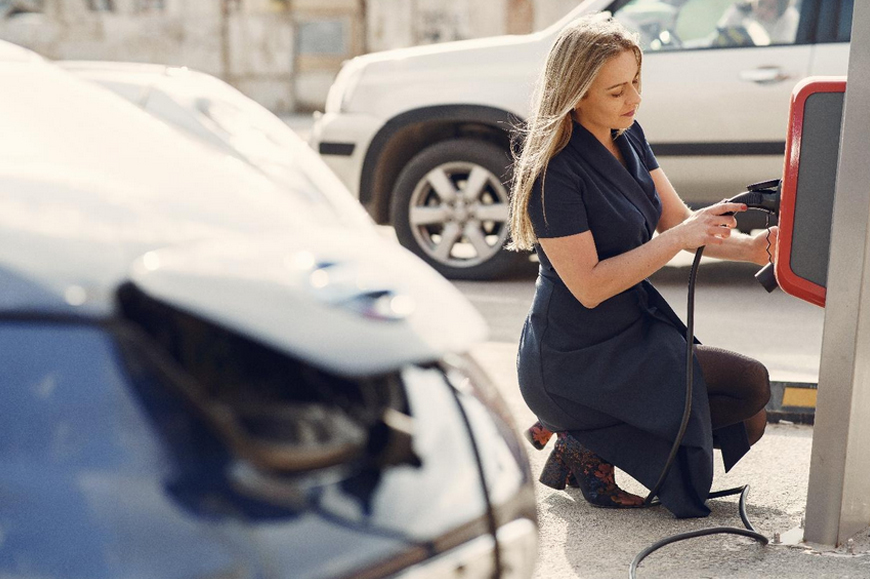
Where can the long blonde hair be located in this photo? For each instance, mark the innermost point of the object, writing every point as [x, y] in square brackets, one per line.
[575, 59]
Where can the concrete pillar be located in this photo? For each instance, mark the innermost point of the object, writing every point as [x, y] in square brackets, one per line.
[838, 497]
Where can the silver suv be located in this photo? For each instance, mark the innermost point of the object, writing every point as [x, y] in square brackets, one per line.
[421, 135]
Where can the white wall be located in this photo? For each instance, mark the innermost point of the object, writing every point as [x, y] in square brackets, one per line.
[254, 47]
[402, 23]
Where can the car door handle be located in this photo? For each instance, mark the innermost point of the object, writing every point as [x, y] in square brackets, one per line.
[764, 75]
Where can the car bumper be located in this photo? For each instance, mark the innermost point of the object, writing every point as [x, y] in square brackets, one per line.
[342, 141]
[517, 543]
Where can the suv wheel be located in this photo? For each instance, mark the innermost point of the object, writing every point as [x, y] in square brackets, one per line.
[450, 206]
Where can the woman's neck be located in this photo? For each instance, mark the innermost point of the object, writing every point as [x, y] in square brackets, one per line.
[601, 133]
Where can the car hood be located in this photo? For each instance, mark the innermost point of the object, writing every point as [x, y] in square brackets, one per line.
[470, 59]
[394, 82]
[75, 231]
[353, 306]
[189, 101]
[91, 183]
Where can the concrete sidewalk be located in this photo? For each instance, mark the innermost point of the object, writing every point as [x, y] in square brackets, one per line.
[581, 541]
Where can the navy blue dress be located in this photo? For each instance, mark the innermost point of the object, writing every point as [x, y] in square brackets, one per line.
[615, 375]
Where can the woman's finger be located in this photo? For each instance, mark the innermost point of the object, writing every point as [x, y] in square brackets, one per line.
[720, 208]
[724, 220]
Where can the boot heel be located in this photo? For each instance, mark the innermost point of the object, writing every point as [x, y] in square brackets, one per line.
[538, 436]
[555, 473]
[594, 476]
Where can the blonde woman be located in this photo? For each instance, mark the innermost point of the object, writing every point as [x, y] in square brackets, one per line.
[602, 355]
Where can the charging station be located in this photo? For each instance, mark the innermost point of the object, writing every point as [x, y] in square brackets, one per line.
[808, 184]
[826, 260]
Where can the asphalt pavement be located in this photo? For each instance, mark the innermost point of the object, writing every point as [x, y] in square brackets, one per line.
[734, 312]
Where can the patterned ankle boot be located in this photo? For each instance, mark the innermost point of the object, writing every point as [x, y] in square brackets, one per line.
[593, 475]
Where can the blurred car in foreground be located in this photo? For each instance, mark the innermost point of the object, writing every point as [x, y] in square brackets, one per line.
[206, 374]
[214, 112]
[421, 135]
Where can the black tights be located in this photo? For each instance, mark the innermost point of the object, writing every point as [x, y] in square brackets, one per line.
[738, 388]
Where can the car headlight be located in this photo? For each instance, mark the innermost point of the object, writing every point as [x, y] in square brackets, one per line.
[341, 91]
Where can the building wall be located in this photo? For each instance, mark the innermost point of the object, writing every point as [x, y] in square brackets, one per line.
[258, 55]
[282, 53]
[250, 46]
[546, 12]
[403, 23]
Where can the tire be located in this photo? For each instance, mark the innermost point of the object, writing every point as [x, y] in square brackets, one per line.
[459, 232]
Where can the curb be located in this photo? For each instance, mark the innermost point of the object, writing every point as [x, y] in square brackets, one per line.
[793, 402]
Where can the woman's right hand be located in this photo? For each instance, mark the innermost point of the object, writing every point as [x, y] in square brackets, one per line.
[708, 226]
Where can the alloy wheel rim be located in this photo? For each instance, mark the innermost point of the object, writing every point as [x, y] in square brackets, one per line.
[458, 214]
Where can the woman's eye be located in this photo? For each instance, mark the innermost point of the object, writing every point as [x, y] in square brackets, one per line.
[616, 96]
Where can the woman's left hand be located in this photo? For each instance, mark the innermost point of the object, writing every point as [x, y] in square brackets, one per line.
[759, 246]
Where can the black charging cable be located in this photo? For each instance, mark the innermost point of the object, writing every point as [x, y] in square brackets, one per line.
[491, 521]
[762, 197]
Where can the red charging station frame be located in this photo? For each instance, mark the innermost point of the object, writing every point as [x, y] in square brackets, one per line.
[790, 282]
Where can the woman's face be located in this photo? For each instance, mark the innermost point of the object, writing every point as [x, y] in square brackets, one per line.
[613, 97]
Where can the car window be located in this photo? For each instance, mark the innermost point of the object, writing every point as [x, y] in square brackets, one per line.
[844, 26]
[832, 20]
[692, 24]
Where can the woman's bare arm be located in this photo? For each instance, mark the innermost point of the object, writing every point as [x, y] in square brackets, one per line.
[737, 247]
[591, 281]
[575, 258]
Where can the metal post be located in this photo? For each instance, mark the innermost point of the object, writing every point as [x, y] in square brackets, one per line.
[838, 497]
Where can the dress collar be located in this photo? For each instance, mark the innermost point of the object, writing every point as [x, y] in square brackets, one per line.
[632, 180]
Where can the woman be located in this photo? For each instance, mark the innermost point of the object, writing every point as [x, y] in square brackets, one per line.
[602, 355]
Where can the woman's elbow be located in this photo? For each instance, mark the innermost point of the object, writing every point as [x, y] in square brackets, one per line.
[587, 299]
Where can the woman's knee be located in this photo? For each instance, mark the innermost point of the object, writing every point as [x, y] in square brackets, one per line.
[735, 375]
[756, 426]
[758, 376]
[753, 382]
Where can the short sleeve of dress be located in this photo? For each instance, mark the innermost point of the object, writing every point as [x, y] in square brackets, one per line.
[646, 152]
[560, 211]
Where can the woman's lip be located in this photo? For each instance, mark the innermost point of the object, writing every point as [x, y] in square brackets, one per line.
[629, 114]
